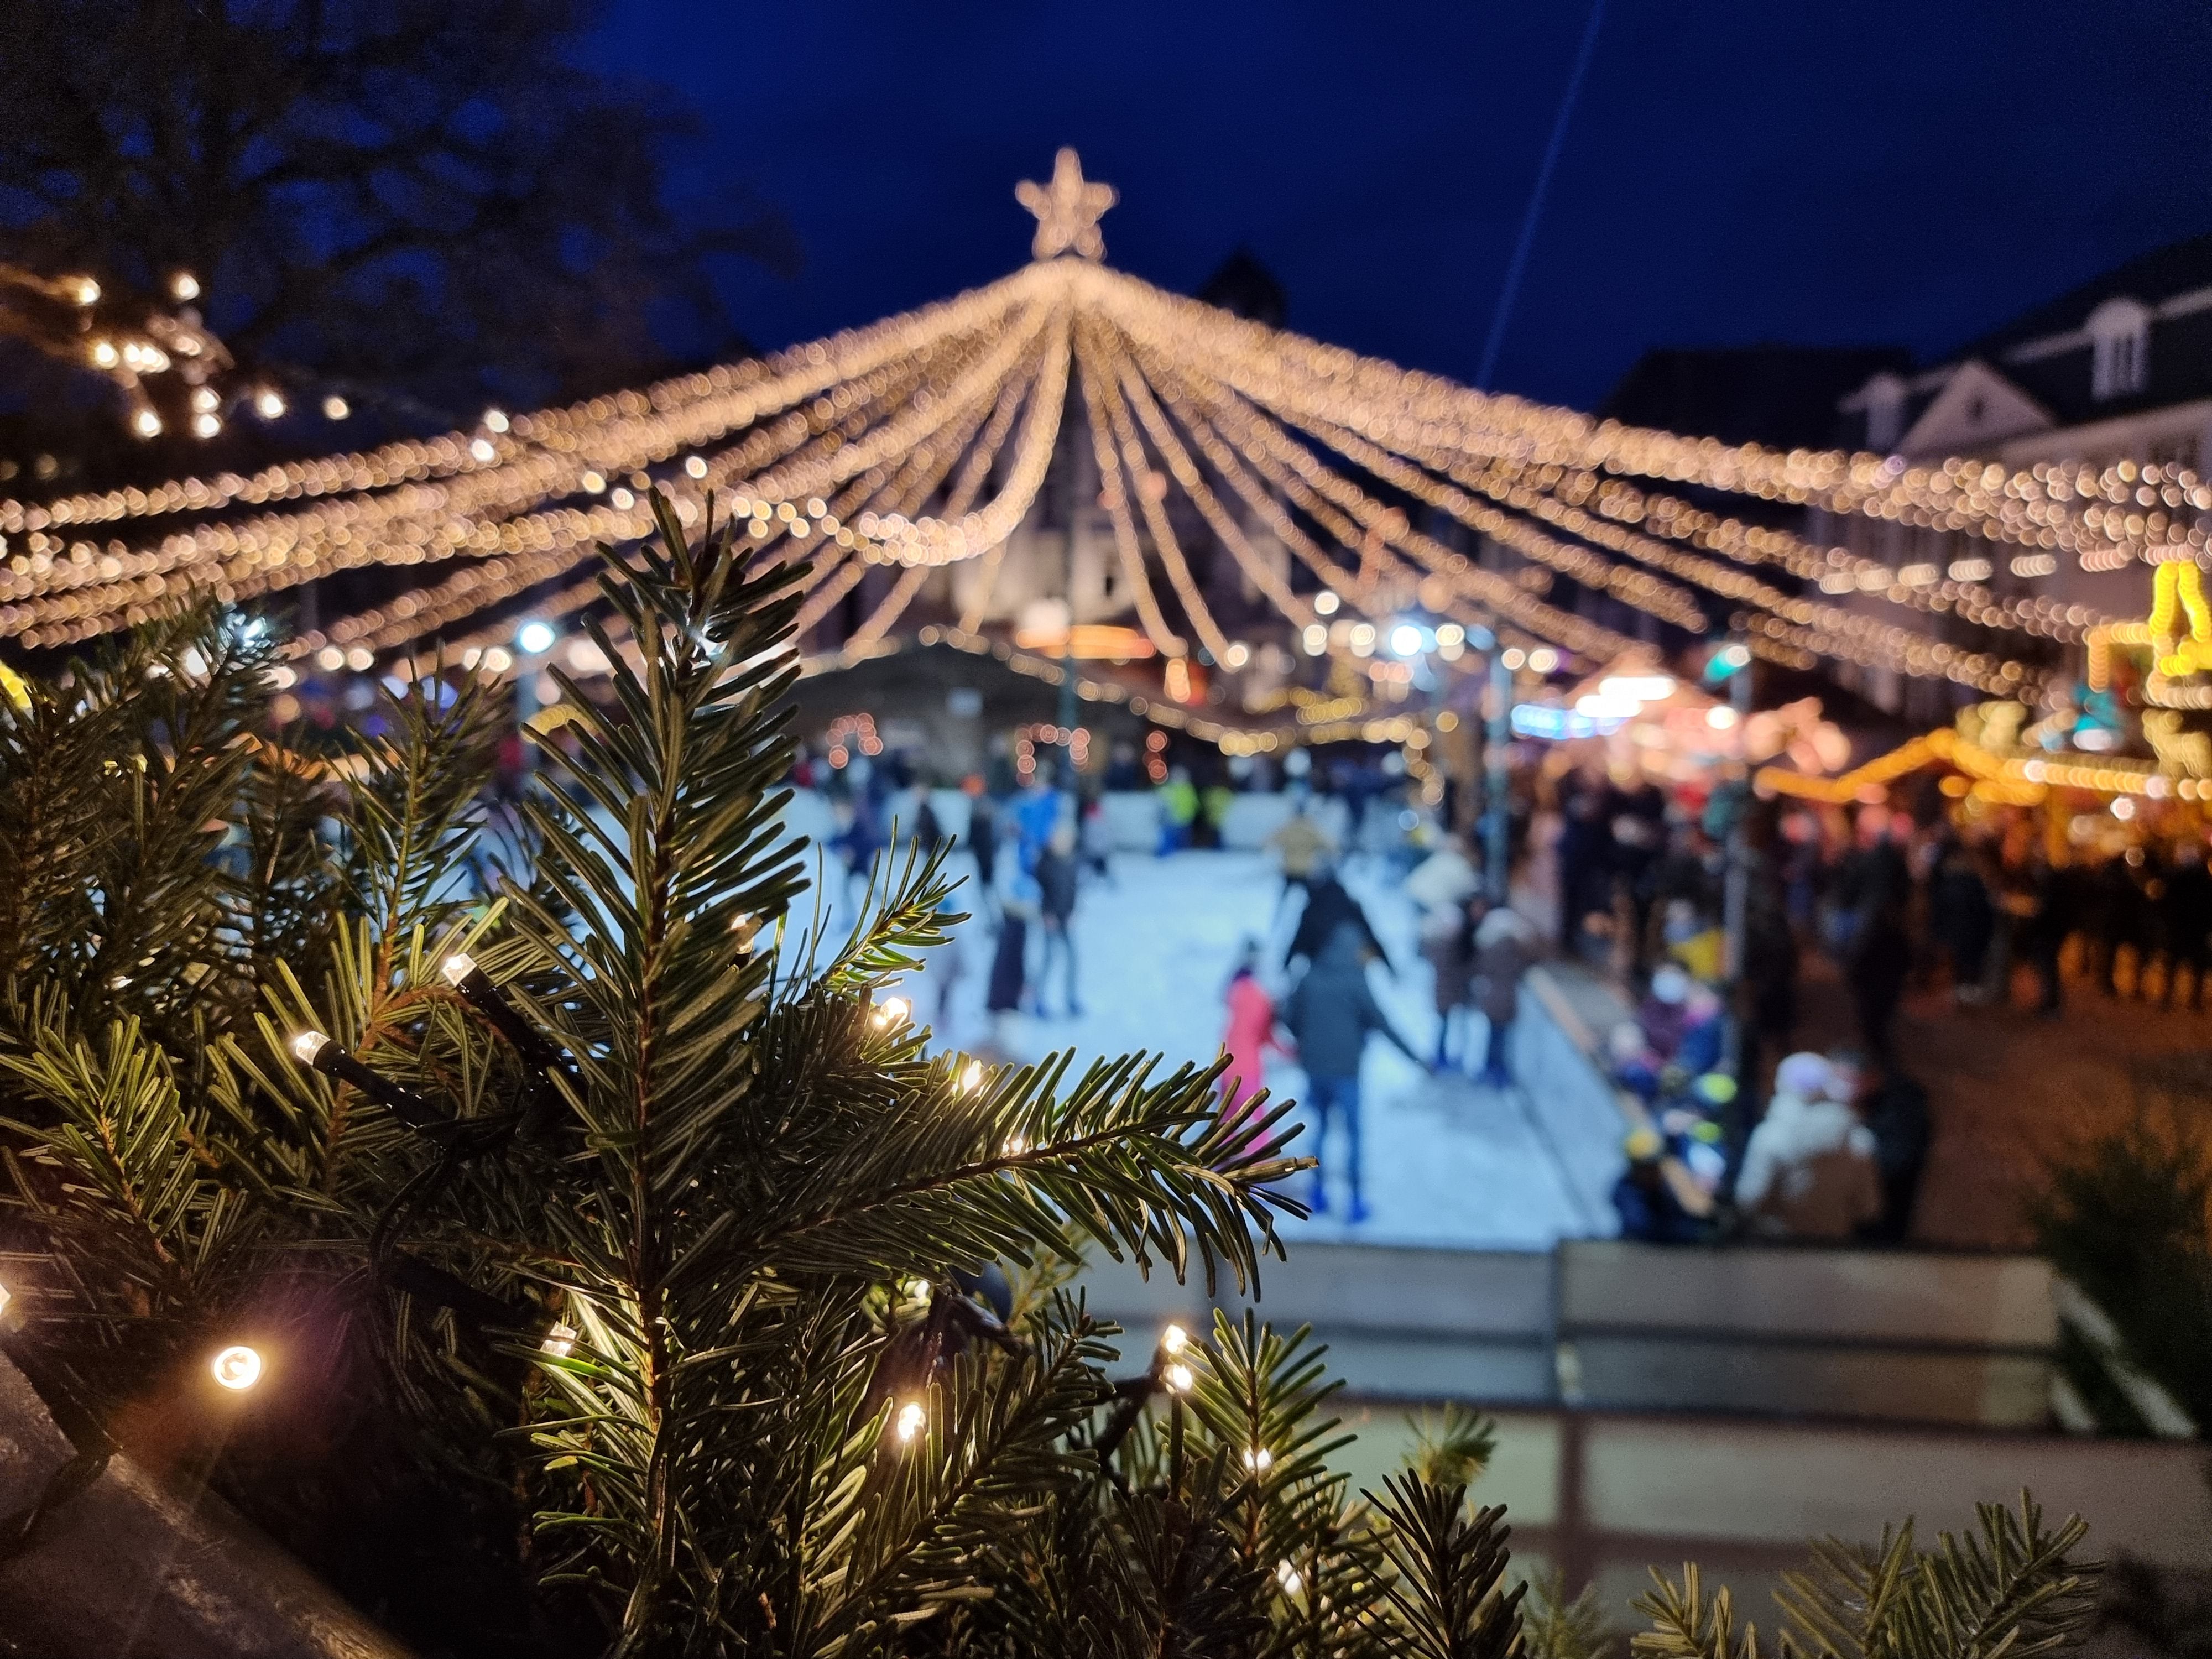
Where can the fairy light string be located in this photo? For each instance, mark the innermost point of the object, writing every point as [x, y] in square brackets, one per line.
[834, 450]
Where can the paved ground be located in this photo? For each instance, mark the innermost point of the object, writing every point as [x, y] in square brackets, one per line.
[2008, 1089]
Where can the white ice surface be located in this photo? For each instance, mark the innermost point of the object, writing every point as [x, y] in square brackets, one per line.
[1446, 1162]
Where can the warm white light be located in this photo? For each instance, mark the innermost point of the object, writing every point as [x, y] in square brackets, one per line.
[331, 659]
[5, 1299]
[104, 354]
[890, 1011]
[594, 482]
[498, 660]
[2123, 809]
[237, 1368]
[908, 1422]
[1287, 1576]
[1543, 659]
[1449, 635]
[361, 660]
[1178, 1379]
[1605, 705]
[206, 425]
[1016, 1145]
[1314, 639]
[204, 398]
[495, 419]
[269, 403]
[1258, 1460]
[458, 967]
[695, 466]
[560, 1342]
[146, 423]
[1325, 603]
[1406, 641]
[971, 1075]
[1720, 719]
[336, 407]
[535, 637]
[307, 1045]
[1645, 688]
[482, 449]
[183, 286]
[1174, 1340]
[83, 290]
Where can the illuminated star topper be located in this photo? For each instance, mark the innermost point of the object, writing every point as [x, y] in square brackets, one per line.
[1067, 209]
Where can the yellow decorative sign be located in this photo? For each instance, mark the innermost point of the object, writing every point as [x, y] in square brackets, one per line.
[2177, 635]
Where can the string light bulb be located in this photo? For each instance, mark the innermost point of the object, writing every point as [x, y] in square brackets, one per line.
[336, 407]
[971, 1075]
[1258, 1459]
[1178, 1378]
[1287, 1576]
[305, 1045]
[184, 287]
[237, 1368]
[455, 968]
[560, 1342]
[891, 1011]
[269, 403]
[908, 1424]
[5, 1299]
[146, 423]
[1174, 1340]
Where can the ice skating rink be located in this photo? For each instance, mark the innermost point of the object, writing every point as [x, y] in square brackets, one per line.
[1447, 1162]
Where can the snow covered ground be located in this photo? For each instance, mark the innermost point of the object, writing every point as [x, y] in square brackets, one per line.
[1447, 1162]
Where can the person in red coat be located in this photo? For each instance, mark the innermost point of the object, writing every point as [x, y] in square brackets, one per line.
[1250, 1035]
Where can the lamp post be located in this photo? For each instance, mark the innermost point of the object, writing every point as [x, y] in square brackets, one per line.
[1497, 812]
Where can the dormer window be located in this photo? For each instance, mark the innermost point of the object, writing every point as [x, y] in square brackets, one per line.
[2119, 349]
[1884, 396]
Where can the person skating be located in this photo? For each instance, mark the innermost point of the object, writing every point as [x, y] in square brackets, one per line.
[1304, 849]
[1331, 1013]
[1056, 874]
[1504, 944]
[1250, 1035]
[1328, 903]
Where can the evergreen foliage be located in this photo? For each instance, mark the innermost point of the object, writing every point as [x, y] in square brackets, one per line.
[632, 1280]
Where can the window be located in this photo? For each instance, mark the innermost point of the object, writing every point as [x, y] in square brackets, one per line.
[2119, 349]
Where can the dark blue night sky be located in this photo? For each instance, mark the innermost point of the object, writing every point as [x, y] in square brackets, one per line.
[1739, 171]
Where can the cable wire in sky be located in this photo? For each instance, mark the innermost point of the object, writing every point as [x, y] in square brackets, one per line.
[1519, 263]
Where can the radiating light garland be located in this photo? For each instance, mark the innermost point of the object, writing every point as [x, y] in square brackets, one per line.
[1837, 569]
[274, 543]
[1185, 472]
[1400, 410]
[1152, 503]
[1294, 468]
[822, 443]
[1114, 493]
[734, 395]
[936, 541]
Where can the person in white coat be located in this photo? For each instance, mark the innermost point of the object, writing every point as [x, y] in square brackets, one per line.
[1808, 1169]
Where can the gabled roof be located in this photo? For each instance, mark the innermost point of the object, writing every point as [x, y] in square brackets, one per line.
[2163, 274]
[1782, 395]
[1977, 407]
